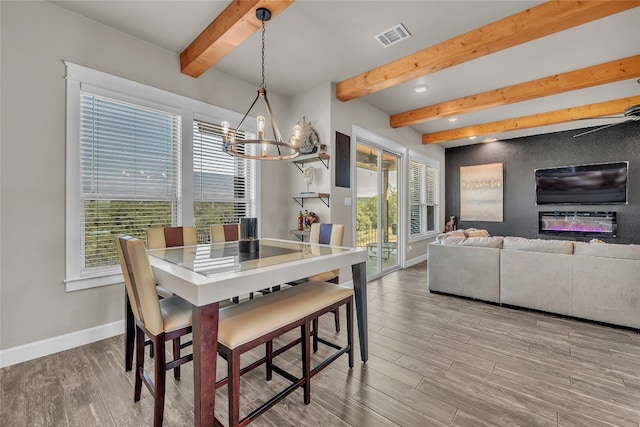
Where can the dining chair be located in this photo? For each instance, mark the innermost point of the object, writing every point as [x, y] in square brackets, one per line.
[157, 238]
[160, 319]
[326, 234]
[225, 233]
[170, 237]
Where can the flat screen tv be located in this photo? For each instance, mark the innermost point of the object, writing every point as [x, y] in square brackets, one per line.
[596, 184]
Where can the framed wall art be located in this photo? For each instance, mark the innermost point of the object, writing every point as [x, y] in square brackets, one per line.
[481, 193]
[343, 160]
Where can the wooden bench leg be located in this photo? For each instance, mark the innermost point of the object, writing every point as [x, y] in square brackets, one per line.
[233, 373]
[315, 335]
[306, 361]
[269, 359]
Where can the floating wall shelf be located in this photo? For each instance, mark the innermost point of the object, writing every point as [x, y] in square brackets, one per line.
[318, 157]
[300, 234]
[299, 198]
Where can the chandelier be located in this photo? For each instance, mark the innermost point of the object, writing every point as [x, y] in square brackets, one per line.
[269, 149]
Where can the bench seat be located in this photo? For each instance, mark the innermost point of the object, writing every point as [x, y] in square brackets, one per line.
[245, 326]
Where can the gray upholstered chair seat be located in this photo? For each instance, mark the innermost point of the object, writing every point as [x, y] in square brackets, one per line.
[176, 313]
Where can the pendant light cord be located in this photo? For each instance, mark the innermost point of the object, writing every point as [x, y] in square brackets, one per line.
[263, 86]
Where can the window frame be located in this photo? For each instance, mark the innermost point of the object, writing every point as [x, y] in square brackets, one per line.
[82, 79]
[429, 163]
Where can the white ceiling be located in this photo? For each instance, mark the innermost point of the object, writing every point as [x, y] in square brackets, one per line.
[316, 41]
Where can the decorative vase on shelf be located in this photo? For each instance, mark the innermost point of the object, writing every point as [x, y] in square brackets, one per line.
[309, 172]
[310, 140]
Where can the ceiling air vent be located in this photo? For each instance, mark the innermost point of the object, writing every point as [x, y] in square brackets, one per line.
[393, 35]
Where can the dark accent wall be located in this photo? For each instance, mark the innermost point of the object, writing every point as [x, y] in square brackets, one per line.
[521, 156]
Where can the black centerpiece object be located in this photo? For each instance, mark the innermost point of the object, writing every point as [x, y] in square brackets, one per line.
[249, 242]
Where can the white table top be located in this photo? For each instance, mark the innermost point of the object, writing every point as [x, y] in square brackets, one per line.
[208, 273]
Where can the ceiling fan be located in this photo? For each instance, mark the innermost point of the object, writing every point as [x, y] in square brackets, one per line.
[633, 114]
[371, 159]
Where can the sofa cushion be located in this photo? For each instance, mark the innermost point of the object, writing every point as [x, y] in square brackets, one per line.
[483, 242]
[538, 245]
[459, 233]
[607, 250]
[452, 240]
[473, 232]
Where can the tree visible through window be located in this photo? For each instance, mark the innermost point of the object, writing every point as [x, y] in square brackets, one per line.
[129, 163]
[224, 185]
[125, 172]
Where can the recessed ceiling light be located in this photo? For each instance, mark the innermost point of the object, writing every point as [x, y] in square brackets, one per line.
[490, 140]
[472, 137]
[453, 119]
[420, 89]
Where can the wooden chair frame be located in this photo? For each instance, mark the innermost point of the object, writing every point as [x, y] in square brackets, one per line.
[157, 387]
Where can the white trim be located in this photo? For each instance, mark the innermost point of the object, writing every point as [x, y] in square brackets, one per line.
[421, 158]
[80, 78]
[93, 282]
[435, 164]
[413, 261]
[381, 143]
[425, 236]
[378, 141]
[130, 90]
[48, 346]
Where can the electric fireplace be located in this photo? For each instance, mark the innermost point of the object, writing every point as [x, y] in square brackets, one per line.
[580, 223]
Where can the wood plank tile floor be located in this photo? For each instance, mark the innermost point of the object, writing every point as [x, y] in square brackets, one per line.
[435, 360]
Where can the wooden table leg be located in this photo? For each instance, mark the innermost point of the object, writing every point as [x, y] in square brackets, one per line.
[359, 272]
[205, 344]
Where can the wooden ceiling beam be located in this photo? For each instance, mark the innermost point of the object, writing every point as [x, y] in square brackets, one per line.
[544, 119]
[232, 27]
[548, 18]
[609, 72]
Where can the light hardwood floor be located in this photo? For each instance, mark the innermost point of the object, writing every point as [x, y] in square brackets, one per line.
[434, 361]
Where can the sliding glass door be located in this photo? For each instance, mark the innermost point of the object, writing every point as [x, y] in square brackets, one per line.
[377, 207]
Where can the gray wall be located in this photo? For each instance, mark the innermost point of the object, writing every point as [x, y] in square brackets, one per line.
[35, 38]
[521, 156]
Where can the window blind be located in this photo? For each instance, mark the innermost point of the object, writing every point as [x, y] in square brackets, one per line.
[415, 198]
[129, 174]
[224, 186]
[422, 197]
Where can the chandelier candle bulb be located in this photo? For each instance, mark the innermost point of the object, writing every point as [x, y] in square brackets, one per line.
[297, 133]
[261, 121]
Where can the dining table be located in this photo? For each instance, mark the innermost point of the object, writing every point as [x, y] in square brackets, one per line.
[206, 274]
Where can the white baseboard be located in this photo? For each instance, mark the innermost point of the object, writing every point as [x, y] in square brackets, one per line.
[48, 346]
[413, 261]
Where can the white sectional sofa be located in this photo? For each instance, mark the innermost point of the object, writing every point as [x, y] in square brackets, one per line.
[595, 281]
